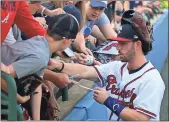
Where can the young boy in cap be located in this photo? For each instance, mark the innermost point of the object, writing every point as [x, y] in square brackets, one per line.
[32, 56]
[134, 88]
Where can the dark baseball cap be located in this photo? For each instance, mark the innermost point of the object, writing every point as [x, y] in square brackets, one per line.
[134, 27]
[64, 25]
[127, 33]
[73, 10]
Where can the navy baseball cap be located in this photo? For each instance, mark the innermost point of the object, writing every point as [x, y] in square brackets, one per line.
[73, 10]
[134, 27]
[95, 3]
[127, 34]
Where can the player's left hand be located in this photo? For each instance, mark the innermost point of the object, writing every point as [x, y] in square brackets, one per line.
[100, 95]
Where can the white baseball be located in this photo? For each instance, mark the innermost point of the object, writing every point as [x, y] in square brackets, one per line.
[89, 60]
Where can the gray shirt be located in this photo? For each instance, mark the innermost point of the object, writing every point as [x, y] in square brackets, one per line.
[27, 57]
[103, 19]
[13, 35]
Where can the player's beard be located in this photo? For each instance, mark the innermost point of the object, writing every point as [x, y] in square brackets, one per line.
[128, 56]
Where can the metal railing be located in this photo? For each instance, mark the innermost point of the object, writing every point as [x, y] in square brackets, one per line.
[13, 110]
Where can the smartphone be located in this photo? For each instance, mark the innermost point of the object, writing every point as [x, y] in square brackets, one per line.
[68, 52]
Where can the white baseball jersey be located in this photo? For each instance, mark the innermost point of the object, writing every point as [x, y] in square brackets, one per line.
[141, 89]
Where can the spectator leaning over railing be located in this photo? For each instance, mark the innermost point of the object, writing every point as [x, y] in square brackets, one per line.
[34, 6]
[17, 12]
[94, 16]
[71, 7]
[50, 75]
[31, 56]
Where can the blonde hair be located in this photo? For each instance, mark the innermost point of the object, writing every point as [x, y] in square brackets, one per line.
[80, 4]
[61, 4]
[58, 4]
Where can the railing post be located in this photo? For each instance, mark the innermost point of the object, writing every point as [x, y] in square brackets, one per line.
[65, 93]
[12, 106]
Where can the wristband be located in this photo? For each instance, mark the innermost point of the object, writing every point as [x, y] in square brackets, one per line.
[114, 105]
[59, 70]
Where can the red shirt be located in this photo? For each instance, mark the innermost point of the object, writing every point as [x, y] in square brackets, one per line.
[18, 12]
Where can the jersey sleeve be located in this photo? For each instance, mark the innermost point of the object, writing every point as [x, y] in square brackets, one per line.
[105, 70]
[26, 23]
[150, 95]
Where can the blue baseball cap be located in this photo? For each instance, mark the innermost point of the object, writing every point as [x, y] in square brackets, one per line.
[95, 3]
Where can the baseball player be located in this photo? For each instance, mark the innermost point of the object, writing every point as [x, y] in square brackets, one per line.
[134, 88]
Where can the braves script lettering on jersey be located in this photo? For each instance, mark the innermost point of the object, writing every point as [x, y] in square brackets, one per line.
[136, 89]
